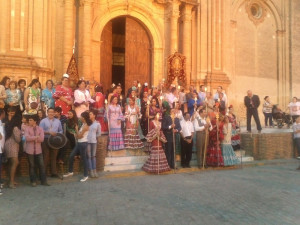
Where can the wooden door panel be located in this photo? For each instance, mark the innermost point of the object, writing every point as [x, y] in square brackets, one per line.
[106, 57]
[137, 53]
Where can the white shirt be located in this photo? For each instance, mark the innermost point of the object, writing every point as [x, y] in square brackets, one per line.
[187, 128]
[2, 141]
[201, 127]
[84, 137]
[294, 108]
[81, 97]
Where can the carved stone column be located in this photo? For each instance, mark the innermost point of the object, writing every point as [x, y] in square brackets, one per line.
[216, 76]
[85, 40]
[68, 32]
[187, 39]
[174, 8]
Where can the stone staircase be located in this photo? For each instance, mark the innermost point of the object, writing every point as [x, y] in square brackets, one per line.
[126, 160]
[241, 154]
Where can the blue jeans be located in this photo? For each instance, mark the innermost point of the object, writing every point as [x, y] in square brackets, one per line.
[268, 117]
[80, 147]
[91, 154]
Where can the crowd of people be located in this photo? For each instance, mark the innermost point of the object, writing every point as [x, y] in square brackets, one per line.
[164, 121]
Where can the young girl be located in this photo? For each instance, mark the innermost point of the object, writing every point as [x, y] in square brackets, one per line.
[229, 156]
[267, 110]
[296, 129]
[94, 133]
[132, 139]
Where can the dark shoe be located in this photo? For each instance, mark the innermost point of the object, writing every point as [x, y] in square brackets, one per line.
[188, 166]
[183, 166]
[33, 184]
[46, 184]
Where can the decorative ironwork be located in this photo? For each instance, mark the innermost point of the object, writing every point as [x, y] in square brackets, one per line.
[176, 68]
[73, 72]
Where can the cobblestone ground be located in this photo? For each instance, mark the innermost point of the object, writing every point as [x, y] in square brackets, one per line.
[254, 195]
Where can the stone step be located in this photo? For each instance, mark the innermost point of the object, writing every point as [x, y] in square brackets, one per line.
[136, 166]
[246, 159]
[125, 160]
[127, 152]
[240, 152]
[127, 167]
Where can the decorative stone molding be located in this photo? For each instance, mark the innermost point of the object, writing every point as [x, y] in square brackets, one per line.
[280, 33]
[256, 10]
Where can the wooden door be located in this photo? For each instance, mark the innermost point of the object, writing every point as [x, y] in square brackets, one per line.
[106, 57]
[137, 53]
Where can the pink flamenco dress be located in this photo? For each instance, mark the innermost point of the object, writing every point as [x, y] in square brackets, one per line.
[157, 161]
[99, 105]
[115, 116]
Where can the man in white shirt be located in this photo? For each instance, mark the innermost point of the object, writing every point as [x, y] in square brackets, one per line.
[2, 140]
[187, 132]
[201, 126]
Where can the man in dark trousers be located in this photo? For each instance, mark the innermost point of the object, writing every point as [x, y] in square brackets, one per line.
[252, 102]
[168, 127]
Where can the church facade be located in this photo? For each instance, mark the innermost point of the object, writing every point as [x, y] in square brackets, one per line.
[239, 44]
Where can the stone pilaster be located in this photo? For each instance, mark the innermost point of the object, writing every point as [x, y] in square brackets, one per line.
[85, 40]
[174, 15]
[187, 39]
[68, 32]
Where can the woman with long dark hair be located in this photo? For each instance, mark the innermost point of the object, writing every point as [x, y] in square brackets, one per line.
[81, 146]
[115, 116]
[99, 106]
[5, 82]
[32, 97]
[71, 124]
[11, 146]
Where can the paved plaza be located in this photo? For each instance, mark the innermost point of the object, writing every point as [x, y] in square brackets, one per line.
[265, 194]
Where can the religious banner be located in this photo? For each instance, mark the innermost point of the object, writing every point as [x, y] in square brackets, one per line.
[72, 71]
[176, 68]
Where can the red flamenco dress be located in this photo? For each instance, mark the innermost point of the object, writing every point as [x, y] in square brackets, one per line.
[157, 161]
[65, 92]
[214, 156]
[99, 106]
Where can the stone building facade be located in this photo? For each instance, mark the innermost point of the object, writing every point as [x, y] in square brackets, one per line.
[239, 44]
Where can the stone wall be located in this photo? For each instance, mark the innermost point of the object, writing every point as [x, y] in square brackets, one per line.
[269, 146]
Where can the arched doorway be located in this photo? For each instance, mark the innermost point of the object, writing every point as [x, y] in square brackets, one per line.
[126, 53]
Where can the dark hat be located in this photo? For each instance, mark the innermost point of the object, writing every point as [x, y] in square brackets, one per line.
[58, 141]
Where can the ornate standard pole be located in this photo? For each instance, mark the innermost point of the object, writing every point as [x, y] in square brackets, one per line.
[218, 145]
[205, 144]
[157, 118]
[148, 106]
[174, 155]
[108, 125]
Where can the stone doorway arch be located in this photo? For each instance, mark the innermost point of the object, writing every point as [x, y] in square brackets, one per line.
[126, 52]
[155, 32]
